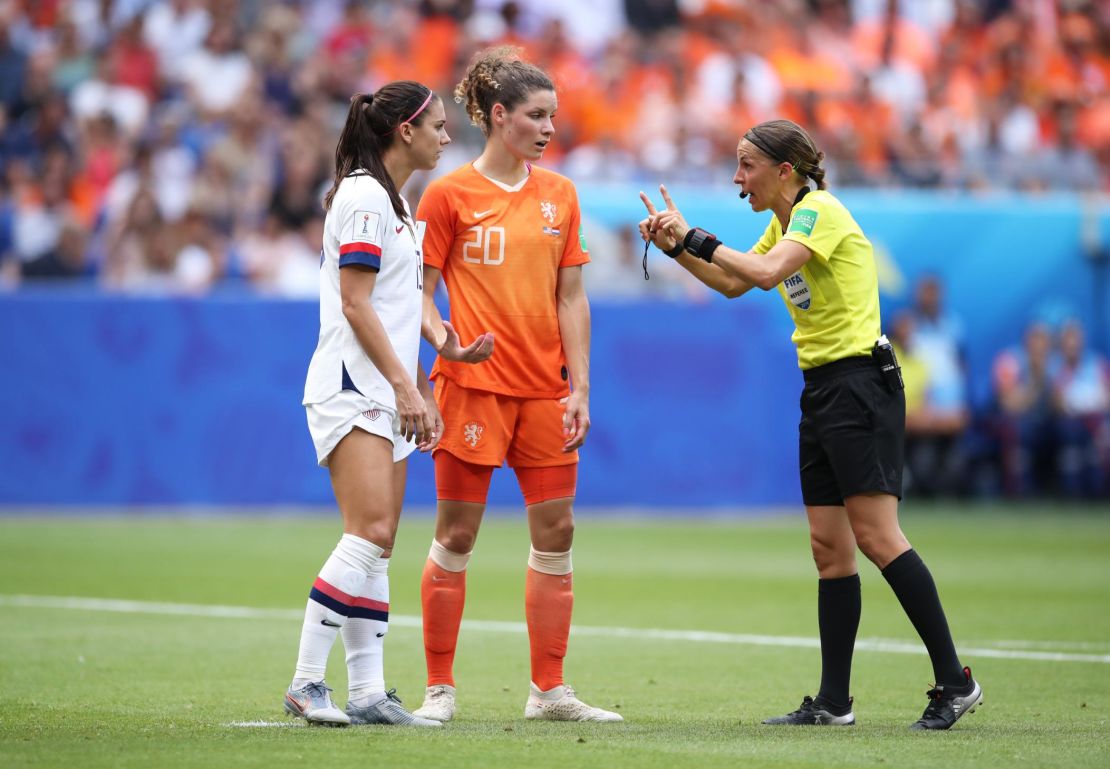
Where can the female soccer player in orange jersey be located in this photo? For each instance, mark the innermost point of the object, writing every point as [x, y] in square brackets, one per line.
[506, 237]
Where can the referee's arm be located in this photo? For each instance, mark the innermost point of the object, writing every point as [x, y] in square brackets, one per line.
[764, 271]
[714, 276]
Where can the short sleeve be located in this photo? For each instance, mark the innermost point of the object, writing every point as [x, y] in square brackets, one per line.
[362, 222]
[816, 227]
[575, 251]
[767, 240]
[439, 225]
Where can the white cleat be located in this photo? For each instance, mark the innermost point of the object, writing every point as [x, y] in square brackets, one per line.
[439, 703]
[312, 702]
[561, 704]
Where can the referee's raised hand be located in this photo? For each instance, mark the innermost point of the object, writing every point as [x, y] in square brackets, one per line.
[664, 228]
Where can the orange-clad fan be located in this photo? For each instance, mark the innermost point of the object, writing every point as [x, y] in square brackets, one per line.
[506, 238]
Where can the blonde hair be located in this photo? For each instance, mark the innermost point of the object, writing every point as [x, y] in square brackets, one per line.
[498, 76]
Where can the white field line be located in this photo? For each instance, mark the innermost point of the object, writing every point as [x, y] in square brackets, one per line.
[986, 649]
[267, 724]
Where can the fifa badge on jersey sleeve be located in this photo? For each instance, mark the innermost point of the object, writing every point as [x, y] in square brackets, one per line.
[803, 222]
[364, 227]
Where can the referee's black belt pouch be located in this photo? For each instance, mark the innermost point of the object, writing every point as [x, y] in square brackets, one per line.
[883, 355]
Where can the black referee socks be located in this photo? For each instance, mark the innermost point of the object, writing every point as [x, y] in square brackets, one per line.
[838, 610]
[911, 581]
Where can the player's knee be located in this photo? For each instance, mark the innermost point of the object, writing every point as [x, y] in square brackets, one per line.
[457, 537]
[879, 545]
[380, 532]
[556, 535]
[828, 552]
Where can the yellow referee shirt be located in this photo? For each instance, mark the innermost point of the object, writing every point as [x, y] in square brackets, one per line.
[834, 297]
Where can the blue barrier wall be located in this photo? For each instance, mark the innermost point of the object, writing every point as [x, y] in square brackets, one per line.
[123, 401]
[113, 401]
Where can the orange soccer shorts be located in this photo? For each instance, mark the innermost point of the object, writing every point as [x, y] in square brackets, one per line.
[484, 429]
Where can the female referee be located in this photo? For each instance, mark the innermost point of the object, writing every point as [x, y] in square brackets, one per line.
[505, 236]
[853, 406]
[367, 402]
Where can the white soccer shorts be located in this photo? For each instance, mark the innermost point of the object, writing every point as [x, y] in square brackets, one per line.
[330, 421]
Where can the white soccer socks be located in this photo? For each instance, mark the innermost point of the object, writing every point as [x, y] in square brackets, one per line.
[333, 594]
[364, 637]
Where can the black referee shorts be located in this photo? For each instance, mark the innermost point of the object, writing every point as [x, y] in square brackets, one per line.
[850, 439]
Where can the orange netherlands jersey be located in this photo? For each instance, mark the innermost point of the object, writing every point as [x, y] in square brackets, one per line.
[500, 253]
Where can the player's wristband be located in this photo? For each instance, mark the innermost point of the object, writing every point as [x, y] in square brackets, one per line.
[674, 252]
[701, 244]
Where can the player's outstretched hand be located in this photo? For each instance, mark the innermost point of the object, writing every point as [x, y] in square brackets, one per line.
[475, 352]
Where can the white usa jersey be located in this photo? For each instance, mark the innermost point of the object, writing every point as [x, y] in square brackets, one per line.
[362, 228]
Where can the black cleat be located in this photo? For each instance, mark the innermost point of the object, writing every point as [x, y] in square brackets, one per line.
[946, 707]
[809, 714]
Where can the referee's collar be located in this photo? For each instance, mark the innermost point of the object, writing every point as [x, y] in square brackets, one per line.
[801, 194]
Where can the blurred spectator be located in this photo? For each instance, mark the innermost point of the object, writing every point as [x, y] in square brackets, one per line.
[935, 459]
[175, 30]
[148, 256]
[73, 61]
[1025, 414]
[938, 337]
[935, 428]
[13, 67]
[132, 61]
[1066, 165]
[67, 259]
[1081, 387]
[42, 205]
[217, 75]
[103, 94]
[283, 259]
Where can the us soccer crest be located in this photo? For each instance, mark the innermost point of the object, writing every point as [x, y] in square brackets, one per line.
[547, 208]
[472, 433]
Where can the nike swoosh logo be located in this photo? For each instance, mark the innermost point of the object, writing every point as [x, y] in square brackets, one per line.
[379, 635]
[400, 228]
[330, 624]
[438, 579]
[480, 214]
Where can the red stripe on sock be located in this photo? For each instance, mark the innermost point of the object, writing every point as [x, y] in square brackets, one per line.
[369, 603]
[334, 592]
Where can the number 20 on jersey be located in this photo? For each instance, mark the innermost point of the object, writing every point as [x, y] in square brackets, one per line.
[487, 245]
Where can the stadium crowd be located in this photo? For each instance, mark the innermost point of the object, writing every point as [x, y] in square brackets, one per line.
[165, 145]
[179, 146]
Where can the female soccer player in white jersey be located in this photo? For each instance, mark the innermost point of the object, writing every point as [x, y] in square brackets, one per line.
[365, 375]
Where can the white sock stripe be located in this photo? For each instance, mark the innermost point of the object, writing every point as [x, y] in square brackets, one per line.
[555, 564]
[446, 559]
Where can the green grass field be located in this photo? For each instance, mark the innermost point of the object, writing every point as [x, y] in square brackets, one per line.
[159, 686]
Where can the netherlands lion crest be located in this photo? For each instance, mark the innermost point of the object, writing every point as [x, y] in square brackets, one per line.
[547, 208]
[472, 433]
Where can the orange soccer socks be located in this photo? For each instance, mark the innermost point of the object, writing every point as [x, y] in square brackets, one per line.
[442, 596]
[548, 604]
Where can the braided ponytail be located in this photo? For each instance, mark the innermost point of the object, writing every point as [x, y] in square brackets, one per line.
[498, 76]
